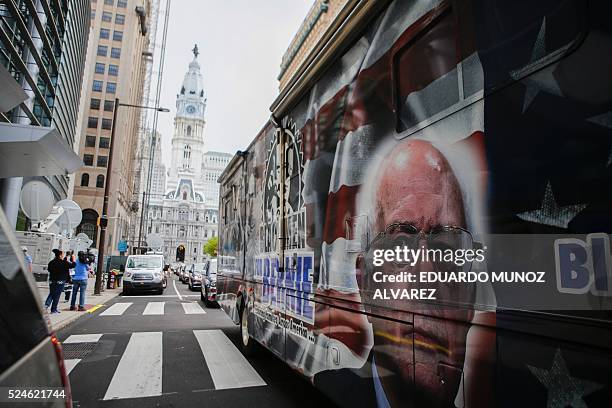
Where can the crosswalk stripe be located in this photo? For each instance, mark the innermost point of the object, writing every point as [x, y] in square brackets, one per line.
[83, 338]
[117, 309]
[227, 366]
[193, 308]
[70, 364]
[139, 372]
[154, 308]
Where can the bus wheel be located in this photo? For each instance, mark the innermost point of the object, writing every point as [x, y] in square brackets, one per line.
[247, 343]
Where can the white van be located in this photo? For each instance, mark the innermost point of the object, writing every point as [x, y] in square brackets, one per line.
[144, 273]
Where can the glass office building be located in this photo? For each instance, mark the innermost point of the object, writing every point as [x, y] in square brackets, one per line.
[43, 45]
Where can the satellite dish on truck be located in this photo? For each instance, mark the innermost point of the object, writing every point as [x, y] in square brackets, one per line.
[36, 200]
[72, 216]
[155, 241]
[81, 242]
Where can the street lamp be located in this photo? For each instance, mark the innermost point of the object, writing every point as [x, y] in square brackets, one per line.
[104, 217]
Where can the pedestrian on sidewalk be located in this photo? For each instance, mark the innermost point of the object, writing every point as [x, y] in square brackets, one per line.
[59, 274]
[27, 258]
[68, 286]
[79, 281]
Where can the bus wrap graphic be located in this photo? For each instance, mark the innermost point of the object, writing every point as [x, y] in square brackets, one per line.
[291, 291]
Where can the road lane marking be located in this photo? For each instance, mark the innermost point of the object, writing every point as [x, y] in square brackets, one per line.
[83, 338]
[93, 309]
[154, 308]
[227, 366]
[117, 309]
[70, 364]
[155, 296]
[139, 372]
[176, 290]
[193, 308]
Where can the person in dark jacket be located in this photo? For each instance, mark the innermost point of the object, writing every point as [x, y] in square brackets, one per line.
[59, 274]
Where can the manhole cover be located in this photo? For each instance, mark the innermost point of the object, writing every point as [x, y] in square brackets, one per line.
[78, 350]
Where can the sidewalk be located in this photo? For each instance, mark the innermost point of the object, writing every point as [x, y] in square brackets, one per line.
[92, 302]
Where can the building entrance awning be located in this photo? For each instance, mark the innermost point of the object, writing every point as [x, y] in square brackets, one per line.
[28, 151]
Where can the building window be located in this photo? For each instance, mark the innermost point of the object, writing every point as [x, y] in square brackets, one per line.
[109, 105]
[102, 161]
[88, 159]
[93, 14]
[119, 19]
[104, 143]
[94, 103]
[117, 35]
[113, 70]
[96, 86]
[106, 16]
[85, 180]
[111, 87]
[107, 124]
[122, 3]
[92, 122]
[188, 130]
[90, 141]
[104, 33]
[109, 2]
[99, 68]
[102, 50]
[100, 181]
[115, 52]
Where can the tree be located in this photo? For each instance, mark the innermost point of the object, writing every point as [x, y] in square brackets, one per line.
[210, 247]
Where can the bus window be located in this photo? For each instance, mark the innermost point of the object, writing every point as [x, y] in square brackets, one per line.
[426, 75]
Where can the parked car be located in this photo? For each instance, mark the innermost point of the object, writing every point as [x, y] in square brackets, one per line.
[208, 291]
[145, 273]
[31, 354]
[184, 274]
[176, 268]
[196, 272]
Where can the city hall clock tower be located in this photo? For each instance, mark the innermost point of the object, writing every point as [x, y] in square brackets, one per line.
[189, 125]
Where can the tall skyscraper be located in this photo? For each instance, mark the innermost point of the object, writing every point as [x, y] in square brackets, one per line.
[42, 57]
[116, 66]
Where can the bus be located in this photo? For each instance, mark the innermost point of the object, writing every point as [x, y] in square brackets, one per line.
[424, 220]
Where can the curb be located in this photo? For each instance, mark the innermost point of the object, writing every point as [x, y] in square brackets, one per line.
[64, 323]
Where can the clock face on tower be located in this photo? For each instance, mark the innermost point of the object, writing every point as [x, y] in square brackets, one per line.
[191, 109]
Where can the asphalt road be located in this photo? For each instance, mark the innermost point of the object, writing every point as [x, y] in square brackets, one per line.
[172, 351]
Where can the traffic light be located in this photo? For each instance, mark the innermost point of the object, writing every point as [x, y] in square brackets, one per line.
[102, 222]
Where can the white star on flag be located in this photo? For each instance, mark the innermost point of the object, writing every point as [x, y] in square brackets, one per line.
[535, 79]
[551, 213]
[563, 389]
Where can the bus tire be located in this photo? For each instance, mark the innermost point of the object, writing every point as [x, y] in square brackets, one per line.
[247, 343]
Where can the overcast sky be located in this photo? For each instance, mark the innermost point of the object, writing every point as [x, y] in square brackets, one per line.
[241, 44]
